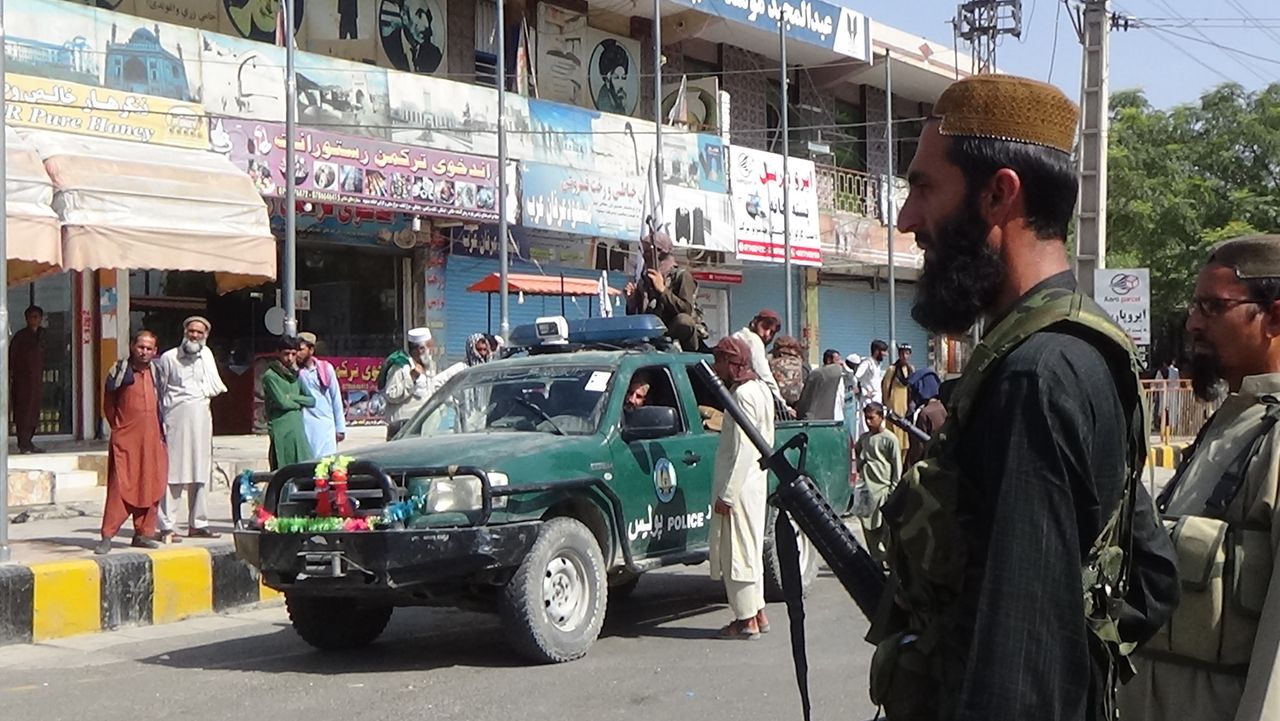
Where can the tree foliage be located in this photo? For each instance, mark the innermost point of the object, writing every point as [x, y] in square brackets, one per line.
[1182, 179]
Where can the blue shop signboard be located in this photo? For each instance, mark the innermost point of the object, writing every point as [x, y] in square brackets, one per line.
[815, 22]
[581, 202]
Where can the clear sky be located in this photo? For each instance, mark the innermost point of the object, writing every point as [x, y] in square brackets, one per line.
[1170, 69]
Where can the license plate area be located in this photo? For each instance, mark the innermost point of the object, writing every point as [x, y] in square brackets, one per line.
[323, 564]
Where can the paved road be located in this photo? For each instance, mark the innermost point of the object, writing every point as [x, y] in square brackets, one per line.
[654, 660]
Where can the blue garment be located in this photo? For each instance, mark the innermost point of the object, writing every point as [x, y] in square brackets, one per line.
[323, 421]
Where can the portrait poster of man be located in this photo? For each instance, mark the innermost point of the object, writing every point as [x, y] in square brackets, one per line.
[256, 19]
[613, 73]
[414, 34]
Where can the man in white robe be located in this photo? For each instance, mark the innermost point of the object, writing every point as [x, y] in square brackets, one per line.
[868, 378]
[739, 490]
[187, 378]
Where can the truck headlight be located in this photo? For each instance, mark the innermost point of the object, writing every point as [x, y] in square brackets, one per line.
[460, 494]
[498, 480]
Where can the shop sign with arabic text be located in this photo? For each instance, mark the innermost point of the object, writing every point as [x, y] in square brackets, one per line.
[64, 106]
[580, 201]
[332, 168]
[815, 22]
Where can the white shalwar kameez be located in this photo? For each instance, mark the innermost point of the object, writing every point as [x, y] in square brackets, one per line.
[737, 541]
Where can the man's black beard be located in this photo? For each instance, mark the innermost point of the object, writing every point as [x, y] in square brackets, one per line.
[1206, 376]
[962, 274]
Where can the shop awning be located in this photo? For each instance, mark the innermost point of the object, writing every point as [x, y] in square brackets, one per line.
[539, 285]
[131, 205]
[33, 243]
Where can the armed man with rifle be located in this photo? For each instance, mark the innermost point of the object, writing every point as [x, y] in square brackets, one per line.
[1025, 559]
[1030, 492]
[667, 290]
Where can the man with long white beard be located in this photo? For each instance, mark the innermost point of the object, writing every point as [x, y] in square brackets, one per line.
[187, 377]
[1218, 658]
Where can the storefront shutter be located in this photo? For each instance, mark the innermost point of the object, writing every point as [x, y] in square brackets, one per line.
[764, 286]
[851, 315]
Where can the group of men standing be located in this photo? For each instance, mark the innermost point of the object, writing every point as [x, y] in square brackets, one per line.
[161, 437]
[161, 421]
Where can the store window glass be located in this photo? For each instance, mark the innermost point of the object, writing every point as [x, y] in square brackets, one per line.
[53, 294]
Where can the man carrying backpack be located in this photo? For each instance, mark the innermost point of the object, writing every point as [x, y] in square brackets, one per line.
[1030, 493]
[1218, 657]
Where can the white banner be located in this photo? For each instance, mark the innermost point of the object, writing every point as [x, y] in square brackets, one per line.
[758, 207]
[1125, 293]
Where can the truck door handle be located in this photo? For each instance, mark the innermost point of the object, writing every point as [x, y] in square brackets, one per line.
[691, 458]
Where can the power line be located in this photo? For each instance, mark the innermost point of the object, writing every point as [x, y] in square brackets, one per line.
[1197, 60]
[1220, 46]
[1199, 32]
[1255, 21]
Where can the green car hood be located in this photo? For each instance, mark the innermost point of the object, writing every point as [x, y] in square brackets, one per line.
[525, 457]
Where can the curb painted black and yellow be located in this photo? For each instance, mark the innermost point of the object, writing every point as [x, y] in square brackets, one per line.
[1166, 455]
[45, 601]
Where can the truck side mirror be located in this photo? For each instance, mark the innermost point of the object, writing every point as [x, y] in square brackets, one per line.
[649, 422]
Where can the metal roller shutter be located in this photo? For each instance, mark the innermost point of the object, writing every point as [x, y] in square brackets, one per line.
[851, 315]
[764, 286]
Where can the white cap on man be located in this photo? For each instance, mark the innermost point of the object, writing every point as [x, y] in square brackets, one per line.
[853, 360]
[419, 336]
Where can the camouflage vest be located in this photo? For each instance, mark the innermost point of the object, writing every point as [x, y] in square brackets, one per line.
[915, 671]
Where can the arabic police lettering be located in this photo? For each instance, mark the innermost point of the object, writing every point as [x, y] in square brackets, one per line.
[654, 525]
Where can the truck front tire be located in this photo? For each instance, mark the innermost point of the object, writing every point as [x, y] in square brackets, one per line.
[336, 624]
[554, 605]
[773, 569]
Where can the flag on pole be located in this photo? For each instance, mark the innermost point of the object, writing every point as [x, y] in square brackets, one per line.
[606, 308]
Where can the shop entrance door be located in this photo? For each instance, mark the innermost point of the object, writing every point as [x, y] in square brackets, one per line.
[53, 295]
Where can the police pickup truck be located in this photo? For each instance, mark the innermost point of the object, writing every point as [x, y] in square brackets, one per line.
[524, 485]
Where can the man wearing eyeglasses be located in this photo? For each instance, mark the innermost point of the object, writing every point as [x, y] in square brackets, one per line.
[1217, 656]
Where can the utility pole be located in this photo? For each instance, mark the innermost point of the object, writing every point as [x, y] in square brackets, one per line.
[981, 23]
[657, 113]
[788, 323]
[504, 251]
[891, 217]
[1091, 214]
[4, 313]
[289, 276]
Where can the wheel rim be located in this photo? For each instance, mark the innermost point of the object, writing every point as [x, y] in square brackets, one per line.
[565, 594]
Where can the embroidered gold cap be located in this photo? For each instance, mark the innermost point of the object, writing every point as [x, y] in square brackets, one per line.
[1008, 107]
[1251, 256]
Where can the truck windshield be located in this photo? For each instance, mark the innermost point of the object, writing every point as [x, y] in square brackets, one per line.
[561, 401]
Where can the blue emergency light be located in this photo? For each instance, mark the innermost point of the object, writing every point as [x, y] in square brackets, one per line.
[620, 331]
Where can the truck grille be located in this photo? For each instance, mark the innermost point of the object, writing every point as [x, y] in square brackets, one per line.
[298, 496]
